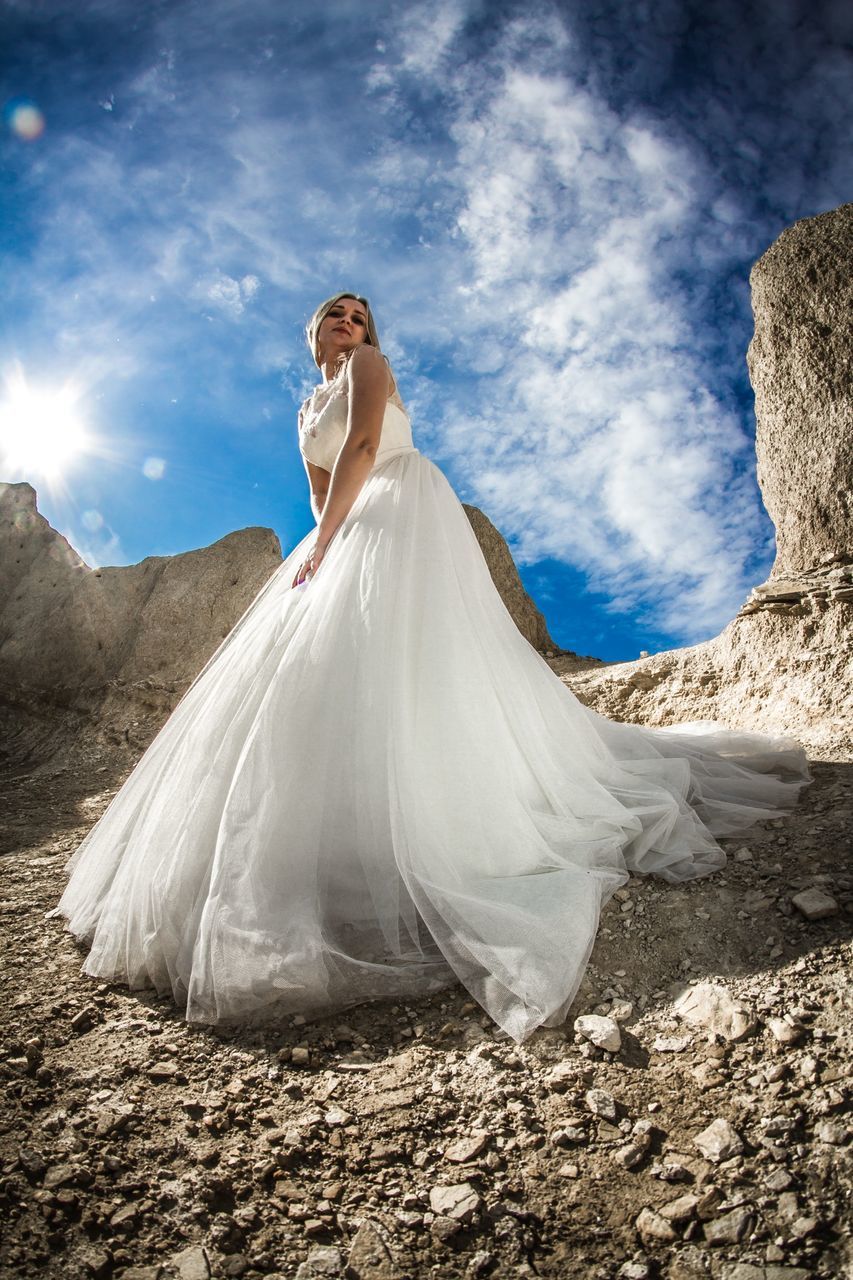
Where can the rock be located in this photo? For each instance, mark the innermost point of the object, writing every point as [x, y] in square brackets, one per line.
[322, 1260]
[715, 1010]
[505, 576]
[814, 904]
[680, 1210]
[161, 1071]
[634, 1271]
[567, 1135]
[603, 1032]
[799, 363]
[730, 1228]
[719, 1141]
[834, 1132]
[465, 1149]
[84, 1020]
[671, 1044]
[601, 1103]
[369, 1256]
[747, 1271]
[459, 1201]
[796, 625]
[783, 1031]
[300, 1056]
[32, 1161]
[653, 1229]
[191, 1263]
[631, 1155]
[60, 1175]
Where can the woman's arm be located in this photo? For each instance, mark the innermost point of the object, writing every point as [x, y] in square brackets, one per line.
[369, 383]
[368, 386]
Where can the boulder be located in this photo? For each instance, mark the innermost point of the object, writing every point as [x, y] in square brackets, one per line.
[783, 665]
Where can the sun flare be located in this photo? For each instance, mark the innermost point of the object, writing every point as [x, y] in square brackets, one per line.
[40, 430]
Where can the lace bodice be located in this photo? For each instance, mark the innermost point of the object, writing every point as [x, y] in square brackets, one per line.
[324, 425]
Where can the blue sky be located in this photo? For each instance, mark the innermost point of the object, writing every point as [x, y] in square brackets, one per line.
[553, 207]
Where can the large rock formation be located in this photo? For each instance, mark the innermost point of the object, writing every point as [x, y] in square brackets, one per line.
[117, 647]
[785, 664]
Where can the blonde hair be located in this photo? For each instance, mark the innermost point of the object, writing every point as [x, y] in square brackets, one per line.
[312, 329]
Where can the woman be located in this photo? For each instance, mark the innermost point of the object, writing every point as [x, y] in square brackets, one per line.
[376, 785]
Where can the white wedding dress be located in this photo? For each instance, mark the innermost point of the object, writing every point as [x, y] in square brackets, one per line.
[376, 785]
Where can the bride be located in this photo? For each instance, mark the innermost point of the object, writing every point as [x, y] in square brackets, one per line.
[376, 786]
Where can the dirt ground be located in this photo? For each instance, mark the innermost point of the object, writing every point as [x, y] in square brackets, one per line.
[412, 1140]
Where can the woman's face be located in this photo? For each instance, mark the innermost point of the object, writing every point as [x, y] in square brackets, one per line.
[344, 327]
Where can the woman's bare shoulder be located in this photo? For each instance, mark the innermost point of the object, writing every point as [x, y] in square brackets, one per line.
[367, 365]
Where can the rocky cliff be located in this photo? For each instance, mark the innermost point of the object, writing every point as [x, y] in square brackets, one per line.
[785, 663]
[115, 648]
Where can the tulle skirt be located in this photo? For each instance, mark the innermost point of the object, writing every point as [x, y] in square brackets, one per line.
[376, 786]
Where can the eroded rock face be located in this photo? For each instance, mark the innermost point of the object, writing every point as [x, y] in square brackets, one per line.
[121, 645]
[526, 616]
[785, 663]
[801, 367]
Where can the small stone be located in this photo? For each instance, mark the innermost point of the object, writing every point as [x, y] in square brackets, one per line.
[84, 1020]
[653, 1229]
[778, 1181]
[124, 1218]
[814, 904]
[324, 1260]
[465, 1149]
[160, 1071]
[747, 1271]
[622, 1011]
[783, 1031]
[634, 1271]
[32, 1161]
[630, 1155]
[60, 1175]
[730, 1228]
[300, 1055]
[680, 1210]
[444, 1228]
[603, 1032]
[567, 1135]
[98, 1263]
[719, 1141]
[561, 1077]
[713, 1008]
[802, 1227]
[459, 1201]
[601, 1103]
[709, 1202]
[568, 1170]
[833, 1132]
[369, 1256]
[336, 1117]
[191, 1263]
[671, 1044]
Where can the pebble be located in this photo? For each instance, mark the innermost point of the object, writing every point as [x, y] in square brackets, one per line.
[300, 1056]
[369, 1256]
[730, 1228]
[601, 1103]
[322, 1260]
[671, 1044]
[719, 1141]
[601, 1031]
[783, 1031]
[191, 1263]
[713, 1008]
[680, 1210]
[459, 1201]
[465, 1149]
[832, 1131]
[654, 1229]
[814, 904]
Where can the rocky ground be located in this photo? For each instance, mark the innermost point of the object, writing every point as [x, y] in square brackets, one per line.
[709, 1137]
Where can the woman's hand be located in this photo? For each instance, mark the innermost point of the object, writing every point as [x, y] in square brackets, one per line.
[309, 565]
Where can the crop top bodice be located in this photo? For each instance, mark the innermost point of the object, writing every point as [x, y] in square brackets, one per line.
[324, 426]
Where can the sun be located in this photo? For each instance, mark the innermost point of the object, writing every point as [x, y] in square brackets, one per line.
[41, 433]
